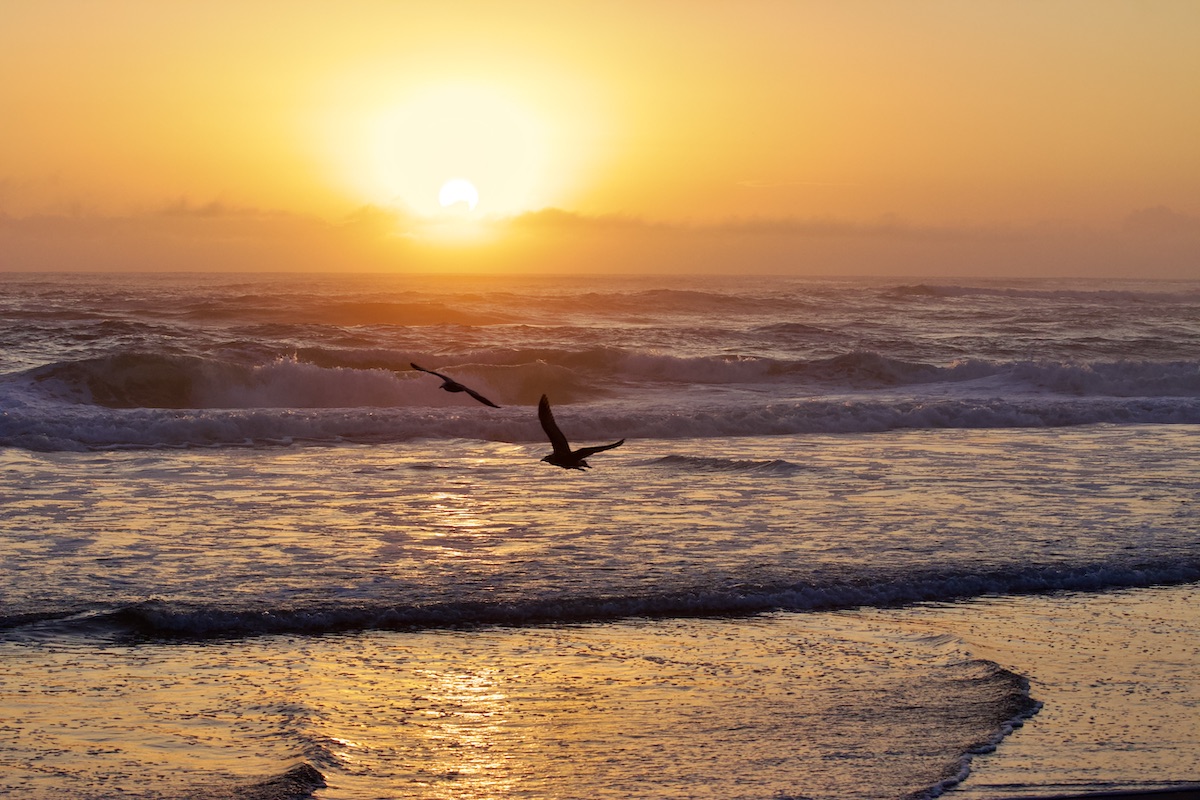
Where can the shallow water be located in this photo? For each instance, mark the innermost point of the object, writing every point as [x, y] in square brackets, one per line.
[679, 708]
[315, 539]
[354, 569]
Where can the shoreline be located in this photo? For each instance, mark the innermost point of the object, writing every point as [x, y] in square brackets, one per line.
[1189, 792]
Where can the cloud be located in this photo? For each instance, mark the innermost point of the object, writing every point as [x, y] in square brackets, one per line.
[887, 227]
[783, 184]
[182, 235]
[557, 220]
[1162, 221]
[564, 241]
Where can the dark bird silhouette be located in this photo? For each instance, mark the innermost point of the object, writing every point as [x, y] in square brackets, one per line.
[563, 456]
[451, 385]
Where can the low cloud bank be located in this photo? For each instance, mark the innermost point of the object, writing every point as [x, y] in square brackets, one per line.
[1149, 243]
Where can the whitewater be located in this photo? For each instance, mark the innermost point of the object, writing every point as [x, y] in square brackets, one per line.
[248, 551]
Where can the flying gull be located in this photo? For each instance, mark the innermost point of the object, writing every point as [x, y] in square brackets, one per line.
[563, 456]
[451, 385]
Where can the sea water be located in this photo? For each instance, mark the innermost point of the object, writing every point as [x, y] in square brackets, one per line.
[248, 551]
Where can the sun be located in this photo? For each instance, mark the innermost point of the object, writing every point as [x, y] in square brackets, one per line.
[391, 135]
[420, 148]
[457, 191]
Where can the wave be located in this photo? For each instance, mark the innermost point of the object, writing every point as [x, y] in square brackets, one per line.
[297, 783]
[794, 329]
[307, 378]
[67, 428]
[655, 302]
[145, 380]
[161, 400]
[450, 307]
[1006, 700]
[732, 465]
[163, 619]
[330, 378]
[1112, 379]
[319, 311]
[1109, 296]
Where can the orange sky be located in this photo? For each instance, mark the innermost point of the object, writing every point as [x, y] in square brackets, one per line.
[990, 136]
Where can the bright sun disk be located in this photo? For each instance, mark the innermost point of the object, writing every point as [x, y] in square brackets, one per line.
[458, 190]
[419, 149]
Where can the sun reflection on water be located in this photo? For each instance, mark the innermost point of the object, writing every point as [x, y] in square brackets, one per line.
[464, 715]
[458, 511]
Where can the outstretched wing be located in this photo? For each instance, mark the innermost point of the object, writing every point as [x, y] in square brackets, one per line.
[479, 397]
[585, 452]
[431, 372]
[557, 440]
[451, 385]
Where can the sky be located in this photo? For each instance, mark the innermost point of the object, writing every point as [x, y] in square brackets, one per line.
[989, 138]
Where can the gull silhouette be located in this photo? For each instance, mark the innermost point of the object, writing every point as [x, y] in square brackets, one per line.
[451, 385]
[563, 456]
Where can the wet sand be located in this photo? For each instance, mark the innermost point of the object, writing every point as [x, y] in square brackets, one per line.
[1118, 677]
[1160, 794]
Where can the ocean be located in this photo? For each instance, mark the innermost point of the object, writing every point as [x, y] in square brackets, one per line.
[863, 539]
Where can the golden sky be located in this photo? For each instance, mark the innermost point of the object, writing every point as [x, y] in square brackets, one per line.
[790, 135]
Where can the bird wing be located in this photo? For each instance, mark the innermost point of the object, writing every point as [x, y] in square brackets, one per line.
[585, 452]
[557, 440]
[479, 397]
[451, 385]
[431, 372]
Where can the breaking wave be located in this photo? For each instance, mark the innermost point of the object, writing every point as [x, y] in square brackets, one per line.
[88, 428]
[178, 619]
[328, 379]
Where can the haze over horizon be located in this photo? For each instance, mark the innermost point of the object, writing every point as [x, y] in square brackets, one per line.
[984, 139]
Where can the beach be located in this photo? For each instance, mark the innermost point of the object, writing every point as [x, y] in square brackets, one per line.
[599, 401]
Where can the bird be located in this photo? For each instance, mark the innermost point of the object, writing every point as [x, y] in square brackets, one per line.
[563, 456]
[451, 385]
